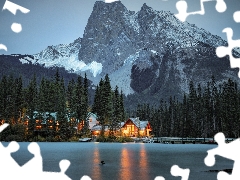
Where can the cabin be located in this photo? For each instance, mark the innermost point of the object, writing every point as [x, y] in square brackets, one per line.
[134, 127]
[92, 120]
[45, 122]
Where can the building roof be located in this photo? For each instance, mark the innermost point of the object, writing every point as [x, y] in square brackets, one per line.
[45, 115]
[140, 124]
[91, 114]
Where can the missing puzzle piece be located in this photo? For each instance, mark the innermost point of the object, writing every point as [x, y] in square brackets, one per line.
[182, 8]
[177, 171]
[12, 7]
[229, 151]
[110, 1]
[223, 51]
[236, 16]
[33, 169]
[63, 164]
[7, 163]
[34, 165]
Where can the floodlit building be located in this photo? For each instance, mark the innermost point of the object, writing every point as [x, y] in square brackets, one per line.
[134, 127]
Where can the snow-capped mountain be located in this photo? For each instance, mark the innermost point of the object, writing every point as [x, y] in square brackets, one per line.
[64, 55]
[145, 52]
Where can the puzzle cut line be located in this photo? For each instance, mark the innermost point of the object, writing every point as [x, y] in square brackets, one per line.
[222, 51]
[177, 171]
[227, 150]
[35, 165]
[16, 27]
[182, 6]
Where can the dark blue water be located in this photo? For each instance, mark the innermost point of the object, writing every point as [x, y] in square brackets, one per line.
[128, 161]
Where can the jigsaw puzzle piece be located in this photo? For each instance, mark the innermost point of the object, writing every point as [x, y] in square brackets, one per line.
[85, 178]
[236, 16]
[177, 171]
[182, 10]
[223, 176]
[2, 46]
[5, 152]
[223, 51]
[34, 165]
[221, 6]
[110, 1]
[182, 6]
[10, 164]
[63, 164]
[16, 27]
[229, 151]
[5, 125]
[12, 7]
[159, 178]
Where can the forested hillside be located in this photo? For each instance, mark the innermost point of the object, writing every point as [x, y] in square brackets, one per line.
[10, 65]
[205, 111]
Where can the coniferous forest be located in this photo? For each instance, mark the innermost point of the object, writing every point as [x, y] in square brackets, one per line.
[53, 111]
[202, 113]
[56, 110]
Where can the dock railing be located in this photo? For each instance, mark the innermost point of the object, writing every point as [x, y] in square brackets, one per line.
[181, 140]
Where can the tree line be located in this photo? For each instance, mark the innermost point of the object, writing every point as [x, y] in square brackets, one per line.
[55, 110]
[62, 106]
[203, 112]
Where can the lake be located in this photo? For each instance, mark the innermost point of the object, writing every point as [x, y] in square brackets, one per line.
[125, 161]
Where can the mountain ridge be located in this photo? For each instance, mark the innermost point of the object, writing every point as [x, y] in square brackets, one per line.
[148, 53]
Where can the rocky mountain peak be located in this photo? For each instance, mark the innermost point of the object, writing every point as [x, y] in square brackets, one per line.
[101, 7]
[148, 52]
[146, 8]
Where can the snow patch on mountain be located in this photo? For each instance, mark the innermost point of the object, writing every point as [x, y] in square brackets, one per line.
[64, 55]
[122, 77]
[94, 67]
[70, 63]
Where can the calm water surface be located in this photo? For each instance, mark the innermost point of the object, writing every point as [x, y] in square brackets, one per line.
[127, 161]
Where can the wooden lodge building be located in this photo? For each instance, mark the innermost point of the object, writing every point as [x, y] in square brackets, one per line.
[133, 127]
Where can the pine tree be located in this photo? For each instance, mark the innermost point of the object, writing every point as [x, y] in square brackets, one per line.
[18, 104]
[107, 100]
[192, 109]
[61, 113]
[71, 106]
[85, 100]
[116, 119]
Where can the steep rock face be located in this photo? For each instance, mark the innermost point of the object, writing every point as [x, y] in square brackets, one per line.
[126, 43]
[107, 38]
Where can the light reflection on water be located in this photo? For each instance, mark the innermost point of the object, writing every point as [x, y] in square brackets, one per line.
[96, 173]
[130, 164]
[126, 163]
[143, 163]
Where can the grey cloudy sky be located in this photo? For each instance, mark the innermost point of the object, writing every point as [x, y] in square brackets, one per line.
[52, 22]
